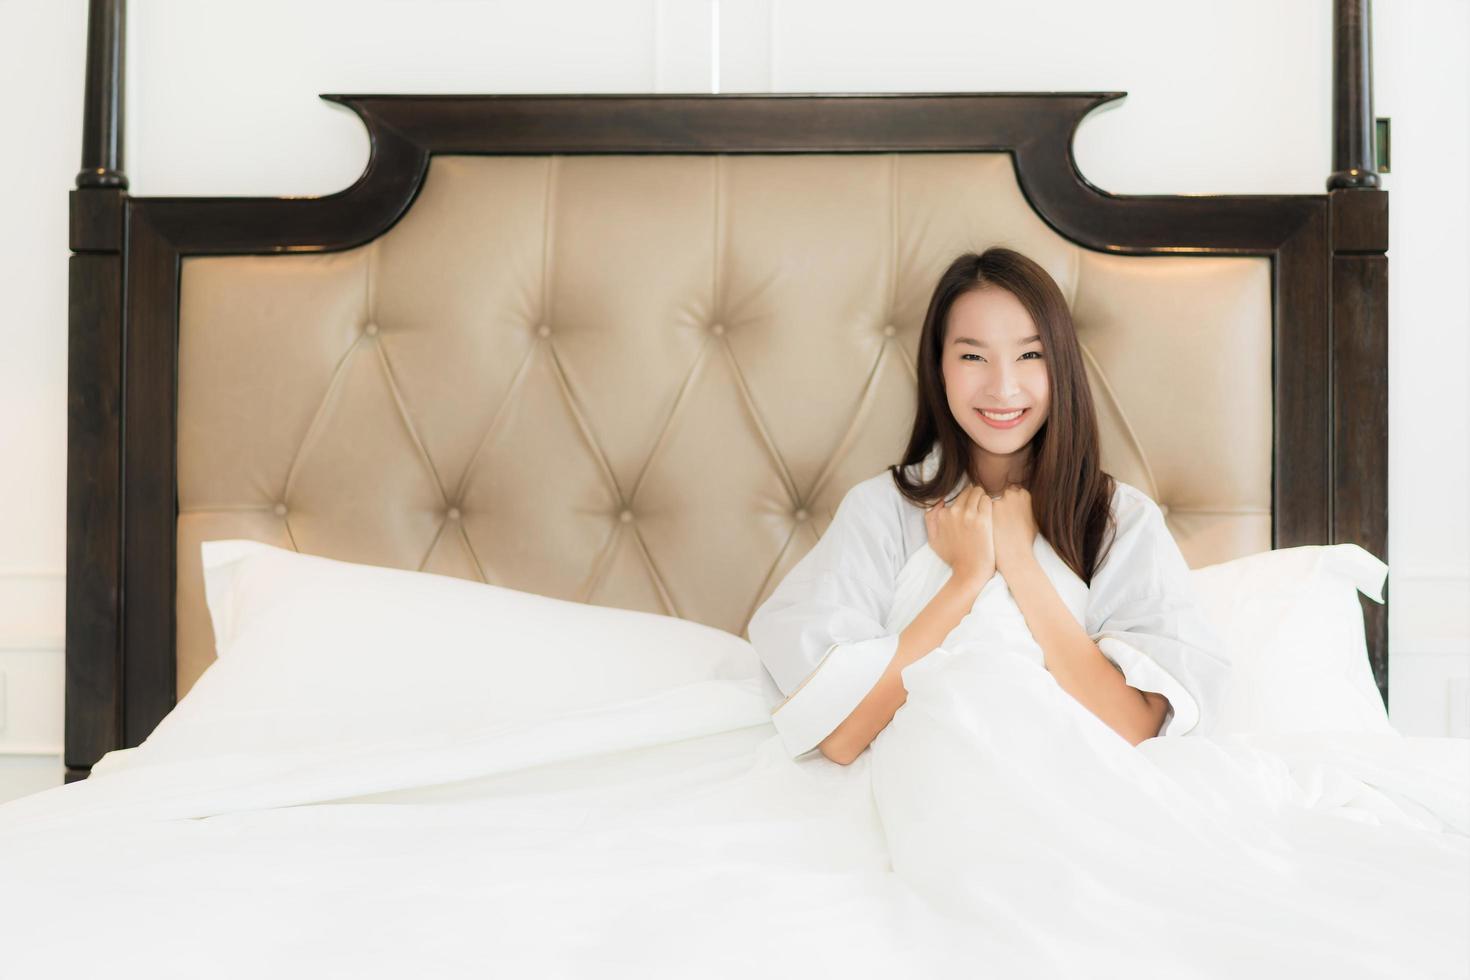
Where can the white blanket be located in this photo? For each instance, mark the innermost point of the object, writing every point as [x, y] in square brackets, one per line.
[1007, 802]
[646, 840]
[997, 828]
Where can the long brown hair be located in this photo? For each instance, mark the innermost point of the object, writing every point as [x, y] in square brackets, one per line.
[1071, 496]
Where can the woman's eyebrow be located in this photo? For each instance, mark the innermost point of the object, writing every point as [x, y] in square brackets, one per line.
[980, 343]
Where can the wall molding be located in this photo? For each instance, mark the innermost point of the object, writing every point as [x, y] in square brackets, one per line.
[1431, 573]
[32, 610]
[1430, 614]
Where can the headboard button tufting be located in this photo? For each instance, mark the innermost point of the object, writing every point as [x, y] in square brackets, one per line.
[381, 452]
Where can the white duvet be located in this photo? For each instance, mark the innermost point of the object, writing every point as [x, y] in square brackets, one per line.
[996, 829]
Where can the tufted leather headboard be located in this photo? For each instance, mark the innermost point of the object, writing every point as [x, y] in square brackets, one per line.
[633, 350]
[648, 381]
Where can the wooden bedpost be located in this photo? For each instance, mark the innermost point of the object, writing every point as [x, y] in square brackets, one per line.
[94, 495]
[1358, 219]
[1353, 163]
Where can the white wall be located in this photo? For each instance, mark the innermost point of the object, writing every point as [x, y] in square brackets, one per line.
[222, 100]
[1423, 84]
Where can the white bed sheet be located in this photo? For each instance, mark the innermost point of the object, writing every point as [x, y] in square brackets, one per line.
[673, 837]
[666, 839]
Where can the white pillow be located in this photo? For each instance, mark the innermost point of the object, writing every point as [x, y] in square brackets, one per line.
[1293, 630]
[314, 652]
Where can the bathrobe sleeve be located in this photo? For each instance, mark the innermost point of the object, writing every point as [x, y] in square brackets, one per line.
[820, 633]
[1143, 615]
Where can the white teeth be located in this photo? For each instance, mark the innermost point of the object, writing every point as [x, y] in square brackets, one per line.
[1006, 417]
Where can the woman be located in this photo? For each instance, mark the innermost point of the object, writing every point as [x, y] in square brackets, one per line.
[1033, 619]
[1005, 416]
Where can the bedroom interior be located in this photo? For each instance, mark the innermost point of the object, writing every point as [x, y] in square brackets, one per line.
[563, 345]
[1306, 272]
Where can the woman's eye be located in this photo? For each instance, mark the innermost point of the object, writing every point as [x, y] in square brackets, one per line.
[1023, 356]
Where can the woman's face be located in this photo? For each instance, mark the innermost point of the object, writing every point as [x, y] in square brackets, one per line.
[993, 360]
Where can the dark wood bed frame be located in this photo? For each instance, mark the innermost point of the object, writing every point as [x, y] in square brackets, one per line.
[1329, 282]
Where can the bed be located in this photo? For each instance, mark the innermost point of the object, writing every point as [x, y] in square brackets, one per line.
[564, 345]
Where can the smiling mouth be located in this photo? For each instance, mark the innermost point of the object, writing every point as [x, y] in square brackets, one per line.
[1002, 420]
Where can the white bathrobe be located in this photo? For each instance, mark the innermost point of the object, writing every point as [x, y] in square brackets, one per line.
[831, 627]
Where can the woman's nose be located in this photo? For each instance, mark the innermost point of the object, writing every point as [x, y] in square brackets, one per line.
[1002, 383]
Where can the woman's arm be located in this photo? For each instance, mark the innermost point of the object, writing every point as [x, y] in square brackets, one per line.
[950, 604]
[1078, 665]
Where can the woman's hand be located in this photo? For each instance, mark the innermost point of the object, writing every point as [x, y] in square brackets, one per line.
[1014, 528]
[960, 533]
